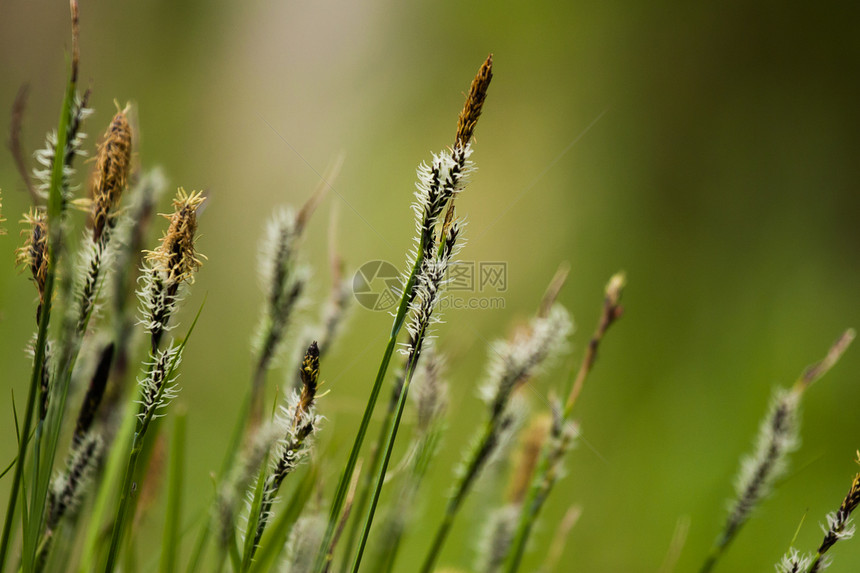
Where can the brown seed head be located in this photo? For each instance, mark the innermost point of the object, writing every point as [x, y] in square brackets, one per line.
[474, 102]
[176, 255]
[852, 500]
[111, 172]
[34, 253]
[310, 373]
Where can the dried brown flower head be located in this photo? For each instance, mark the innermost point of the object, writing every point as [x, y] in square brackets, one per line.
[176, 256]
[474, 102]
[34, 253]
[310, 372]
[111, 173]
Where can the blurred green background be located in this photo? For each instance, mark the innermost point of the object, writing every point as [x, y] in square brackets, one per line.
[711, 151]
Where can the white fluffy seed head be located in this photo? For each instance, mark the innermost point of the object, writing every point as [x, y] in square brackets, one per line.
[793, 562]
[158, 387]
[155, 303]
[497, 537]
[777, 438]
[277, 248]
[74, 147]
[303, 542]
[531, 348]
[839, 525]
[429, 390]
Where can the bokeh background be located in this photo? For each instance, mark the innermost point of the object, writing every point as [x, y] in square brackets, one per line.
[710, 151]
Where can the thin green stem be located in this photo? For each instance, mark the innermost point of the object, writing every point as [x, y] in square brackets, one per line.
[174, 498]
[537, 494]
[346, 476]
[226, 465]
[389, 447]
[476, 461]
[367, 481]
[55, 209]
[125, 494]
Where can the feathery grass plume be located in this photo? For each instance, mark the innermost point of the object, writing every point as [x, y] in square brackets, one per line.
[285, 280]
[777, 438]
[562, 431]
[512, 363]
[34, 253]
[428, 182]
[131, 232]
[113, 164]
[302, 543]
[794, 562]
[839, 524]
[165, 270]
[158, 387]
[110, 179]
[299, 422]
[498, 533]
[73, 147]
[169, 266]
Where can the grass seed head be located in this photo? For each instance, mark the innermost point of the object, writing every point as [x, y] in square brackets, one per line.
[474, 102]
[176, 256]
[111, 172]
[34, 253]
[310, 372]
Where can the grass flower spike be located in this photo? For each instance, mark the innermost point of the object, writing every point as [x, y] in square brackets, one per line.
[777, 438]
[474, 102]
[299, 422]
[34, 253]
[113, 164]
[512, 363]
[169, 266]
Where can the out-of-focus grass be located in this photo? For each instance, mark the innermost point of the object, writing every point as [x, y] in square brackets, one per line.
[722, 177]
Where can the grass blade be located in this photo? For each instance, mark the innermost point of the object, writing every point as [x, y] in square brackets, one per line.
[174, 497]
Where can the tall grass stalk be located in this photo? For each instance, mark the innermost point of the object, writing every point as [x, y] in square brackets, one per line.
[466, 125]
[562, 432]
[173, 513]
[55, 210]
[512, 364]
[777, 438]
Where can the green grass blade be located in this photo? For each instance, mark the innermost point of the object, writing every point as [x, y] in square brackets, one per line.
[386, 458]
[170, 540]
[253, 519]
[346, 476]
[55, 206]
[226, 464]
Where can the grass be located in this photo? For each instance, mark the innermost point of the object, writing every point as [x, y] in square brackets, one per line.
[270, 507]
